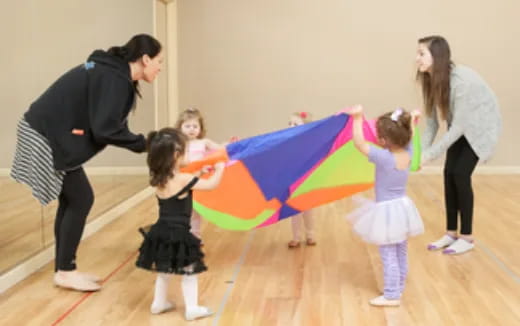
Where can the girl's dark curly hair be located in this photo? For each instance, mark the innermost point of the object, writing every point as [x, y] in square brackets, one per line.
[164, 148]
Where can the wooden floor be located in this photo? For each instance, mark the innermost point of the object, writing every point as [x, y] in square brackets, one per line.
[27, 227]
[255, 280]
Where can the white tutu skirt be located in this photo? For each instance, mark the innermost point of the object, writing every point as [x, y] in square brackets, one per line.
[386, 222]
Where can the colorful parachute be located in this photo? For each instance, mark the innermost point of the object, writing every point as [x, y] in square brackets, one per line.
[276, 175]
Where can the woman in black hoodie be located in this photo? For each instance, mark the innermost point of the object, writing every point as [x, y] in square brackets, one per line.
[85, 110]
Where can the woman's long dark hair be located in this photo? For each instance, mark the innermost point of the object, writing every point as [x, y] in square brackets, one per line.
[436, 86]
[164, 148]
[134, 50]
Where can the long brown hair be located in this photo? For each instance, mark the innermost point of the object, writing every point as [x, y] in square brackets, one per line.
[436, 85]
[188, 114]
[164, 147]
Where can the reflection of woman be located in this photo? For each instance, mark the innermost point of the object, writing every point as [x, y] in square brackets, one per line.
[471, 111]
[82, 112]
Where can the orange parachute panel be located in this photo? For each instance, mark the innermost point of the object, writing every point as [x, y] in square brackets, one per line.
[238, 194]
[320, 196]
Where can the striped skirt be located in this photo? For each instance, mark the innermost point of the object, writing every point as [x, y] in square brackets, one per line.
[33, 164]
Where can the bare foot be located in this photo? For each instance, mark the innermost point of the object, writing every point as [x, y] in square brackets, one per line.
[91, 277]
[75, 281]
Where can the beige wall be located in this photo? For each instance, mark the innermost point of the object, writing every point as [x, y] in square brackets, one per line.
[248, 64]
[43, 39]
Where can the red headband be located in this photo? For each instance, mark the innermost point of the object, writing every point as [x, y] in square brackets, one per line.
[303, 115]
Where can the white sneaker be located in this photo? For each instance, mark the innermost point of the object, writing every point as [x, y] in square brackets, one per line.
[156, 309]
[381, 301]
[198, 312]
[443, 242]
[459, 247]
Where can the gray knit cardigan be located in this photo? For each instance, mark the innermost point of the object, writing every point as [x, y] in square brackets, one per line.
[474, 113]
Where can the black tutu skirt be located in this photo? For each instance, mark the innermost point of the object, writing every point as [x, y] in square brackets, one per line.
[170, 248]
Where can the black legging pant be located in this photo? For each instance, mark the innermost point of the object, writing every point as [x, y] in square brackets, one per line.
[75, 200]
[458, 193]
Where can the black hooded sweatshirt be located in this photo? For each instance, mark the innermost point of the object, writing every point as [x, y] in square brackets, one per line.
[87, 109]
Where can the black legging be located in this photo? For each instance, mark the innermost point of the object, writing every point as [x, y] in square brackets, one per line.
[458, 193]
[75, 200]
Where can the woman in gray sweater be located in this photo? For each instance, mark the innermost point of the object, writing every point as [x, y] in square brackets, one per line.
[468, 105]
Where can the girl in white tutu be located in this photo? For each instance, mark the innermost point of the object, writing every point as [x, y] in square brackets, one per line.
[393, 217]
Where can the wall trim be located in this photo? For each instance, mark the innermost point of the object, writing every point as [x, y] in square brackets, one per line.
[102, 170]
[32, 264]
[479, 170]
[142, 170]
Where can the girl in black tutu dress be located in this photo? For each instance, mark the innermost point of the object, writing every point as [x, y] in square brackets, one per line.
[169, 247]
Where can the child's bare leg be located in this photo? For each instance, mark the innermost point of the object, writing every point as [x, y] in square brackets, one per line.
[308, 219]
[296, 225]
